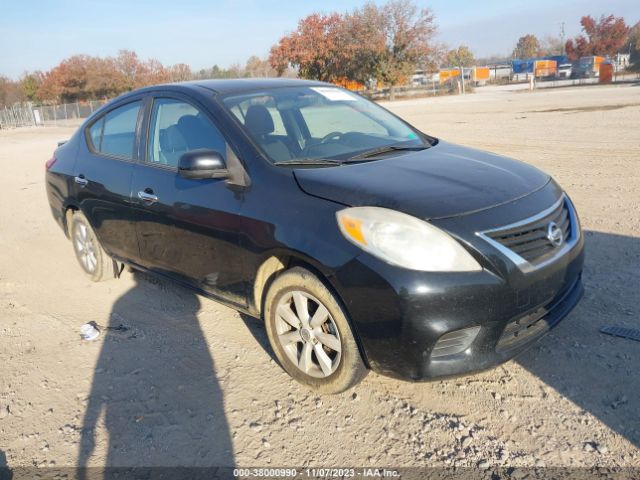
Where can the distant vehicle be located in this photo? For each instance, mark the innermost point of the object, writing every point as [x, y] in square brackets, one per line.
[361, 241]
[545, 69]
[589, 67]
[564, 70]
[540, 67]
[480, 75]
[419, 78]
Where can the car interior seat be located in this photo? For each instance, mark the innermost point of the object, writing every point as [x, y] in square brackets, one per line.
[172, 145]
[259, 122]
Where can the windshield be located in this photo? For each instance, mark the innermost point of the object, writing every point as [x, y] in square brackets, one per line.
[317, 123]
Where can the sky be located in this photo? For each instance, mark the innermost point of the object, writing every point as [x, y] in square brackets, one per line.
[37, 34]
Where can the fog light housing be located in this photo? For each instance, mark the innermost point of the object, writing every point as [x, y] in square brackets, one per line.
[454, 342]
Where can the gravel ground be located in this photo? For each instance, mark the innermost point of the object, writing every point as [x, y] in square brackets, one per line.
[186, 381]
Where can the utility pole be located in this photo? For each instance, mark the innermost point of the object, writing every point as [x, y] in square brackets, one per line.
[562, 38]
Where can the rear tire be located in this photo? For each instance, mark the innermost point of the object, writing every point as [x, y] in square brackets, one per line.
[309, 332]
[93, 260]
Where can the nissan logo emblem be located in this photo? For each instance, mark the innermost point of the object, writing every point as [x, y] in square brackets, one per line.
[555, 234]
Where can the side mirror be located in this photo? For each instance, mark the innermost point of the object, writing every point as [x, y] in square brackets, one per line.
[197, 164]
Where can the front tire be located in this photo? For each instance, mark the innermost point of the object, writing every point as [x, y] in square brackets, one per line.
[309, 332]
[94, 261]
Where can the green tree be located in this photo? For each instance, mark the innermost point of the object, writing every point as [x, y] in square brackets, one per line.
[30, 83]
[460, 57]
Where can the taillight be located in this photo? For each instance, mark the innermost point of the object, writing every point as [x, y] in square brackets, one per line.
[50, 162]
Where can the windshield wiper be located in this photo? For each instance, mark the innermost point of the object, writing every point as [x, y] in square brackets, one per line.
[309, 161]
[389, 148]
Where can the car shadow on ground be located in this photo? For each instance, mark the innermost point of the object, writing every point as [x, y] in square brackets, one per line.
[154, 389]
[5, 471]
[162, 412]
[259, 332]
[597, 372]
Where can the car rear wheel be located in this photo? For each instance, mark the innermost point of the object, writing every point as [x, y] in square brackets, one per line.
[310, 335]
[92, 258]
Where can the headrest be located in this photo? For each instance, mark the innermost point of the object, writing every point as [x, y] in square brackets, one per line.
[258, 120]
[175, 141]
[194, 130]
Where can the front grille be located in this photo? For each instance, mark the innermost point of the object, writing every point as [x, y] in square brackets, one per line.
[529, 240]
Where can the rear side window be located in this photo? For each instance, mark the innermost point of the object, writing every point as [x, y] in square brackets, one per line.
[115, 133]
[178, 127]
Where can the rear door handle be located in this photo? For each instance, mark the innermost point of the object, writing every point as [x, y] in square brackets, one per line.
[147, 197]
[80, 180]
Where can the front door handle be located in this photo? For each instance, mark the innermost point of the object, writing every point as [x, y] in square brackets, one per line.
[147, 197]
[80, 180]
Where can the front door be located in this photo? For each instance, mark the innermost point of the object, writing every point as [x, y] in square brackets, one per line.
[188, 229]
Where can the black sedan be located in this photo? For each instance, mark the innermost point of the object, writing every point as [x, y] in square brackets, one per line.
[362, 242]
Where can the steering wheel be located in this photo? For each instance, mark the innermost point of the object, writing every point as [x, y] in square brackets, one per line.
[330, 136]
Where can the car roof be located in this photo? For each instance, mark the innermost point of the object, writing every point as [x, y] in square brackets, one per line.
[235, 85]
[217, 86]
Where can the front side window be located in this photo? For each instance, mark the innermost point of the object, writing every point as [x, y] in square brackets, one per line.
[323, 123]
[115, 132]
[178, 127]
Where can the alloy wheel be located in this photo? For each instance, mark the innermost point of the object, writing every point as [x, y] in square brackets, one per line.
[308, 334]
[85, 248]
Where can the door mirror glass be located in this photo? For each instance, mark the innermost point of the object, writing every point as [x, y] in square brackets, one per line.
[202, 163]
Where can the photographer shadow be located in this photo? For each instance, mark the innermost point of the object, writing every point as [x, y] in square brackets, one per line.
[155, 390]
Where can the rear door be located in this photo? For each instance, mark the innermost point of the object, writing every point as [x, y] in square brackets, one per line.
[187, 229]
[103, 173]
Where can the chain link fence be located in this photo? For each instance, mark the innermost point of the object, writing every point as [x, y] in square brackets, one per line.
[29, 115]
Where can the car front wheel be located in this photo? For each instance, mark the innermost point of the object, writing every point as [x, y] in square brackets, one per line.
[310, 335]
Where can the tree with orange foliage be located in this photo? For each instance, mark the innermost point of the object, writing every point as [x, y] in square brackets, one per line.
[180, 72]
[385, 43]
[528, 46]
[408, 40]
[83, 77]
[605, 37]
[138, 73]
[10, 92]
[314, 48]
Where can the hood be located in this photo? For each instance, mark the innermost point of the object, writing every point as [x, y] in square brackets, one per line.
[442, 181]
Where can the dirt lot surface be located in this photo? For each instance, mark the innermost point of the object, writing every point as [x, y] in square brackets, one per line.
[187, 381]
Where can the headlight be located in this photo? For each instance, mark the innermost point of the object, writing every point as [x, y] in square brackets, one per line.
[403, 240]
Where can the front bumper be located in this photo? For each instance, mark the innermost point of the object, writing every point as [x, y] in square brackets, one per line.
[398, 315]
